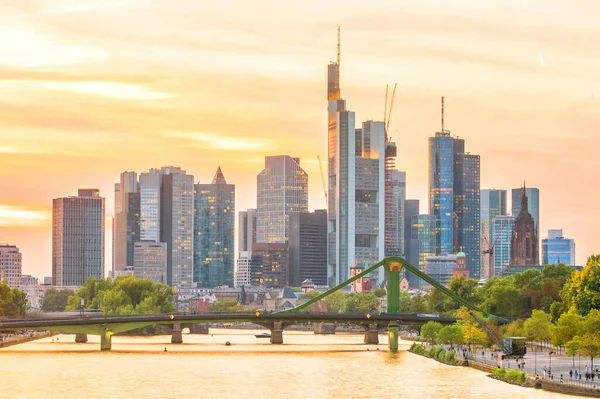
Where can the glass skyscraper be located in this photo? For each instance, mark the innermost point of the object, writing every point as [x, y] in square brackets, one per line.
[502, 230]
[423, 230]
[441, 190]
[214, 221]
[493, 203]
[557, 249]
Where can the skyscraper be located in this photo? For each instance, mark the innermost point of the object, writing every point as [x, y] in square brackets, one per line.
[441, 190]
[533, 204]
[308, 247]
[502, 231]
[10, 265]
[493, 203]
[557, 249]
[411, 247]
[150, 205]
[454, 185]
[214, 223]
[177, 224]
[243, 271]
[282, 188]
[126, 228]
[78, 238]
[150, 261]
[525, 244]
[270, 264]
[467, 207]
[246, 230]
[423, 233]
[394, 225]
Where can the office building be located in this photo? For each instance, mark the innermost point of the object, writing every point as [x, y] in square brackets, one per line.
[411, 247]
[557, 249]
[150, 261]
[493, 203]
[524, 248]
[243, 270]
[177, 224]
[126, 223]
[270, 262]
[441, 190]
[10, 265]
[214, 237]
[467, 207]
[441, 268]
[502, 231]
[533, 204]
[282, 188]
[150, 205]
[308, 247]
[423, 233]
[394, 213]
[78, 238]
[246, 230]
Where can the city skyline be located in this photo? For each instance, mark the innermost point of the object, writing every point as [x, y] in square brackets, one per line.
[81, 138]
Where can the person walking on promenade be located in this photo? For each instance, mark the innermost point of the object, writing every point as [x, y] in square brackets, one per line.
[571, 374]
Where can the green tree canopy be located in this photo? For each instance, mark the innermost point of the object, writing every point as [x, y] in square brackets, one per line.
[430, 329]
[405, 302]
[55, 300]
[451, 335]
[501, 297]
[361, 303]
[335, 302]
[380, 292]
[530, 278]
[557, 273]
[584, 290]
[538, 326]
[225, 305]
[13, 302]
[568, 326]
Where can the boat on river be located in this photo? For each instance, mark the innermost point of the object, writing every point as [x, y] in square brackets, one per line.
[263, 335]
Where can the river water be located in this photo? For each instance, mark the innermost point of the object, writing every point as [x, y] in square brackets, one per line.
[306, 366]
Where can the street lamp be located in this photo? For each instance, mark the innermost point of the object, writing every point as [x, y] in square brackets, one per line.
[550, 354]
[534, 359]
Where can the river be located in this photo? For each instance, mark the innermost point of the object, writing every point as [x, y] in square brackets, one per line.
[306, 366]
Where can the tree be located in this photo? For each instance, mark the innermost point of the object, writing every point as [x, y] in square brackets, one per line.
[557, 273]
[361, 303]
[530, 278]
[419, 304]
[13, 302]
[584, 289]
[572, 349]
[567, 327]
[310, 294]
[405, 302]
[380, 292]
[589, 345]
[538, 326]
[335, 302]
[450, 335]
[224, 305]
[55, 300]
[472, 333]
[430, 329]
[502, 298]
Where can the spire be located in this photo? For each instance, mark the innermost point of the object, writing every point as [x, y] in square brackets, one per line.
[524, 201]
[219, 178]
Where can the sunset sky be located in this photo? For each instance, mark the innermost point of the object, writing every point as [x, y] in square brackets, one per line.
[91, 88]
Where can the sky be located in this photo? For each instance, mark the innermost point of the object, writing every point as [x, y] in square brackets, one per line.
[89, 89]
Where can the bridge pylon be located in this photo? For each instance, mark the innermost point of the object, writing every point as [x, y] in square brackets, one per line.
[392, 269]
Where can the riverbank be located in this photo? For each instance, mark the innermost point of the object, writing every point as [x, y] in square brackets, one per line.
[23, 339]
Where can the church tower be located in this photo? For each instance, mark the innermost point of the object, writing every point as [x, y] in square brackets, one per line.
[524, 248]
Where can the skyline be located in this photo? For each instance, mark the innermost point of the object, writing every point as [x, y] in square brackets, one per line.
[520, 90]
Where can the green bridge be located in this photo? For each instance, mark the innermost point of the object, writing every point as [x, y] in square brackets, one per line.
[107, 326]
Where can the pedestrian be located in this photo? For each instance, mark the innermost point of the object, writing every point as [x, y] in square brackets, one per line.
[571, 374]
[523, 364]
[482, 354]
[544, 369]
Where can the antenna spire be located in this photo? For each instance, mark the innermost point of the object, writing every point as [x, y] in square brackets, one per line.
[338, 56]
[442, 114]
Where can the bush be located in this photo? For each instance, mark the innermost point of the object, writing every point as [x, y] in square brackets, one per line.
[434, 351]
[499, 372]
[521, 377]
[450, 356]
[512, 375]
[441, 355]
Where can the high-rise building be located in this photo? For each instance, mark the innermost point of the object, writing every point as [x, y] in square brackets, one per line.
[244, 268]
[10, 265]
[214, 237]
[557, 249]
[177, 224]
[454, 185]
[126, 223]
[502, 231]
[441, 268]
[308, 247]
[246, 230]
[150, 205]
[493, 203]
[423, 233]
[524, 248]
[359, 197]
[467, 207]
[77, 238]
[270, 263]
[150, 261]
[282, 188]
[394, 224]
[411, 247]
[441, 190]
[533, 204]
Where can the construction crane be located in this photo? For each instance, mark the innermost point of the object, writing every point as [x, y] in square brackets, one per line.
[513, 347]
[387, 115]
[490, 250]
[323, 178]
